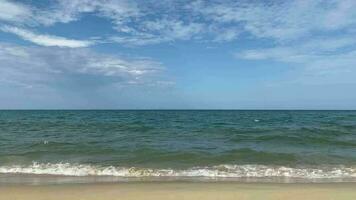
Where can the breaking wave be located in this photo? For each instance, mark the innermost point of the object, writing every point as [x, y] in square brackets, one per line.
[219, 171]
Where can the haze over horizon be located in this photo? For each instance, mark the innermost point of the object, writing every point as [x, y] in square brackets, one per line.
[121, 54]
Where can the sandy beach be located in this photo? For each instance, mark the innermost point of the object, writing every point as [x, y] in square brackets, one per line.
[172, 191]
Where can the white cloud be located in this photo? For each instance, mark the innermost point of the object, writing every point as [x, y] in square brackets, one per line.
[46, 40]
[158, 31]
[174, 28]
[227, 20]
[303, 50]
[265, 54]
[45, 65]
[280, 20]
[327, 59]
[14, 12]
[316, 37]
[341, 15]
[150, 22]
[66, 11]
[135, 23]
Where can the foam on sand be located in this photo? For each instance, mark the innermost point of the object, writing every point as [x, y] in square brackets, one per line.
[219, 171]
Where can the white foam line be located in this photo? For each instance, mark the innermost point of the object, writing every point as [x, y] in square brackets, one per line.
[220, 171]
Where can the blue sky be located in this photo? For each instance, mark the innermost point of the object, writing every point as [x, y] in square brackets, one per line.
[127, 54]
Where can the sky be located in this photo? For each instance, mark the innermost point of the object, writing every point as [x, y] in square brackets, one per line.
[177, 54]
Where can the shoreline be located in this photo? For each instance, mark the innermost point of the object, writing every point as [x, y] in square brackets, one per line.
[180, 190]
[46, 179]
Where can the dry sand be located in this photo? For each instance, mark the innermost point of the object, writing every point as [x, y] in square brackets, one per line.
[170, 191]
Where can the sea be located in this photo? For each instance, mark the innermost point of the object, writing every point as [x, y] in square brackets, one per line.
[286, 146]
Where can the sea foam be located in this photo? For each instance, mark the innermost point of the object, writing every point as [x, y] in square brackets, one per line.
[219, 171]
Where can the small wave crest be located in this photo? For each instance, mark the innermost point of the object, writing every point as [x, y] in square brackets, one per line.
[219, 171]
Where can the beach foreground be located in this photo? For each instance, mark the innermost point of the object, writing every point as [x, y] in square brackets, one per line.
[157, 191]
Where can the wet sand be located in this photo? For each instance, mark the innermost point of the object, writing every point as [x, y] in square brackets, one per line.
[180, 190]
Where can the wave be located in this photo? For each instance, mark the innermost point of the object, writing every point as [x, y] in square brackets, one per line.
[219, 171]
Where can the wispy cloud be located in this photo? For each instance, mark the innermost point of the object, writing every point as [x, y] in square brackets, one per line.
[288, 20]
[46, 65]
[14, 12]
[315, 36]
[302, 51]
[159, 31]
[327, 59]
[64, 11]
[46, 40]
[149, 22]
[136, 23]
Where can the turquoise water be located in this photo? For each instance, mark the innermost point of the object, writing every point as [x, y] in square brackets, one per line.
[301, 144]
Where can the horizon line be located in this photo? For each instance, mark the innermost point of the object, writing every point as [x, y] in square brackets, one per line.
[171, 109]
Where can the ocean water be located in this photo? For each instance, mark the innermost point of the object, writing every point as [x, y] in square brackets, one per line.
[216, 145]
